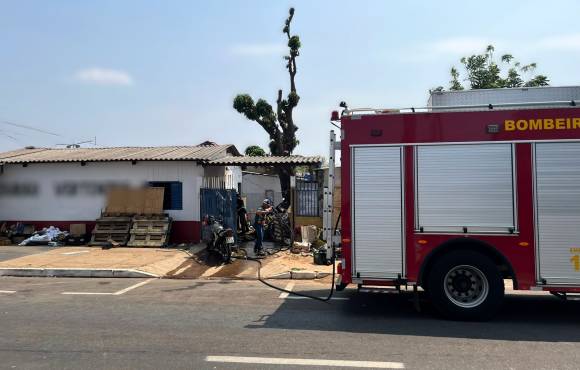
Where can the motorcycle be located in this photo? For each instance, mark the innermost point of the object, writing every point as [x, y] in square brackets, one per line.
[221, 240]
[278, 224]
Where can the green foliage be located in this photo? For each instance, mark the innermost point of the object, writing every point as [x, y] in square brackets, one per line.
[293, 99]
[278, 123]
[455, 84]
[484, 73]
[294, 44]
[255, 151]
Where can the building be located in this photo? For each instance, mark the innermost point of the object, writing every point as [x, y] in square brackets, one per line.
[45, 186]
[57, 187]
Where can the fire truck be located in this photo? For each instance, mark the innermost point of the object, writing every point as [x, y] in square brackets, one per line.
[455, 198]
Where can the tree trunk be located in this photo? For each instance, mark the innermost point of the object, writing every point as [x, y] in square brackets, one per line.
[284, 174]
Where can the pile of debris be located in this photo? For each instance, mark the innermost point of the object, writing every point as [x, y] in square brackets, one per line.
[51, 236]
[26, 234]
[15, 233]
[311, 245]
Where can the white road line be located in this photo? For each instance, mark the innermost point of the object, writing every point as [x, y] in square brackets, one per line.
[7, 291]
[77, 252]
[123, 291]
[289, 287]
[305, 362]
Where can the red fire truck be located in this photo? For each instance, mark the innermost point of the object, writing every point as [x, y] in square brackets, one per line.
[455, 199]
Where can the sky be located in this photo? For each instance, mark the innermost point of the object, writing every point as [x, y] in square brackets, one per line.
[153, 73]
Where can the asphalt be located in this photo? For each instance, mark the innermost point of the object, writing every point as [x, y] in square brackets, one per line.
[177, 324]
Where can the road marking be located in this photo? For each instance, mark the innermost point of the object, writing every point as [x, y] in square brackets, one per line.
[77, 252]
[120, 292]
[305, 362]
[123, 291]
[85, 293]
[289, 287]
[7, 291]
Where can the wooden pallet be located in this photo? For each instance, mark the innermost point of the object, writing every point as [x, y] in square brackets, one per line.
[141, 226]
[148, 240]
[111, 228]
[98, 239]
[150, 231]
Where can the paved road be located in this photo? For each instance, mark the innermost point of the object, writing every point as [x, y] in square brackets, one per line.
[153, 324]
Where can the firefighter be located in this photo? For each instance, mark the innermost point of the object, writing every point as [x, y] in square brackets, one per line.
[259, 225]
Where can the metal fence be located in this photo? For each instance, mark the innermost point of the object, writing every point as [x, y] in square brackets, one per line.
[308, 198]
[221, 204]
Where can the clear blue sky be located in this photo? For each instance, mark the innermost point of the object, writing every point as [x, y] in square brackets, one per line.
[165, 72]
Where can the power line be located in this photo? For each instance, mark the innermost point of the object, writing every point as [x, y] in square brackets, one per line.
[30, 128]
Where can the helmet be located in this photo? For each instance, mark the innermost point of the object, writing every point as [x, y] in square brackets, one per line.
[266, 201]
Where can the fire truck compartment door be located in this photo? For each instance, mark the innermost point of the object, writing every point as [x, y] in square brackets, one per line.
[558, 212]
[377, 212]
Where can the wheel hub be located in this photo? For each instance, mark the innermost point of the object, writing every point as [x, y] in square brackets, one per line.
[466, 286]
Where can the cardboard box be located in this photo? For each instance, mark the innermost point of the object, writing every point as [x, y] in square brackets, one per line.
[78, 229]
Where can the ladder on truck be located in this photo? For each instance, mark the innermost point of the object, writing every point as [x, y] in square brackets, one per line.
[328, 203]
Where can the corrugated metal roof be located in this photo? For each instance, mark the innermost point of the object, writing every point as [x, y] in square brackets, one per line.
[267, 161]
[202, 153]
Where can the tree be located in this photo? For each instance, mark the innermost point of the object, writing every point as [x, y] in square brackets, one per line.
[484, 73]
[255, 151]
[279, 124]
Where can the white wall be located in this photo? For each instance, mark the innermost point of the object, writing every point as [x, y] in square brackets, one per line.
[235, 173]
[55, 184]
[254, 188]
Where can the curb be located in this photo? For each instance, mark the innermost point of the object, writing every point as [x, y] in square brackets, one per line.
[72, 272]
[300, 275]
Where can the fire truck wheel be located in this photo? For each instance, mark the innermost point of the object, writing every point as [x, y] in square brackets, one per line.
[466, 285]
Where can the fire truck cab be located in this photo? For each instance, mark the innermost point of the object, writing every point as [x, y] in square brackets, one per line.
[455, 199]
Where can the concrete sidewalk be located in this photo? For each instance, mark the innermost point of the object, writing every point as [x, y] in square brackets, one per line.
[193, 263]
[280, 265]
[96, 262]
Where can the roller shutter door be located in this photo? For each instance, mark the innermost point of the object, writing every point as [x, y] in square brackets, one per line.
[558, 211]
[377, 213]
[465, 186]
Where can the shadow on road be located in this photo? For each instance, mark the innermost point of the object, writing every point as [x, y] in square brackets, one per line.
[522, 318]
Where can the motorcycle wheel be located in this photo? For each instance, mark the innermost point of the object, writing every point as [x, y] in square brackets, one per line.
[227, 253]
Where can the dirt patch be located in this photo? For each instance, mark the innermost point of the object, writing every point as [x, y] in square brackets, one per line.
[192, 268]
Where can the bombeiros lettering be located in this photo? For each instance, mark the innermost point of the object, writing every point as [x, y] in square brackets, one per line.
[540, 124]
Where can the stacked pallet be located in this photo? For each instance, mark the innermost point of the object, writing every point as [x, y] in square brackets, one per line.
[150, 231]
[111, 230]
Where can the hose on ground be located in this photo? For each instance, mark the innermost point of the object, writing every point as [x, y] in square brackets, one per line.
[321, 299]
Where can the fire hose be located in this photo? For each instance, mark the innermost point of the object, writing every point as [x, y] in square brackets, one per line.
[332, 261]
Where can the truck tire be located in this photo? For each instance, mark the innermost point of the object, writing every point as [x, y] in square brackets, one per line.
[466, 285]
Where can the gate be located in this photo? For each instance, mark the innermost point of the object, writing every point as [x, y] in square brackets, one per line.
[308, 197]
[221, 204]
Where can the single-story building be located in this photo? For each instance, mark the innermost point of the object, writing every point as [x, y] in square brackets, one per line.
[47, 186]
[57, 186]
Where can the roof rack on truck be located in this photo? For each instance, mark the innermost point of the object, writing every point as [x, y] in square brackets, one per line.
[450, 108]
